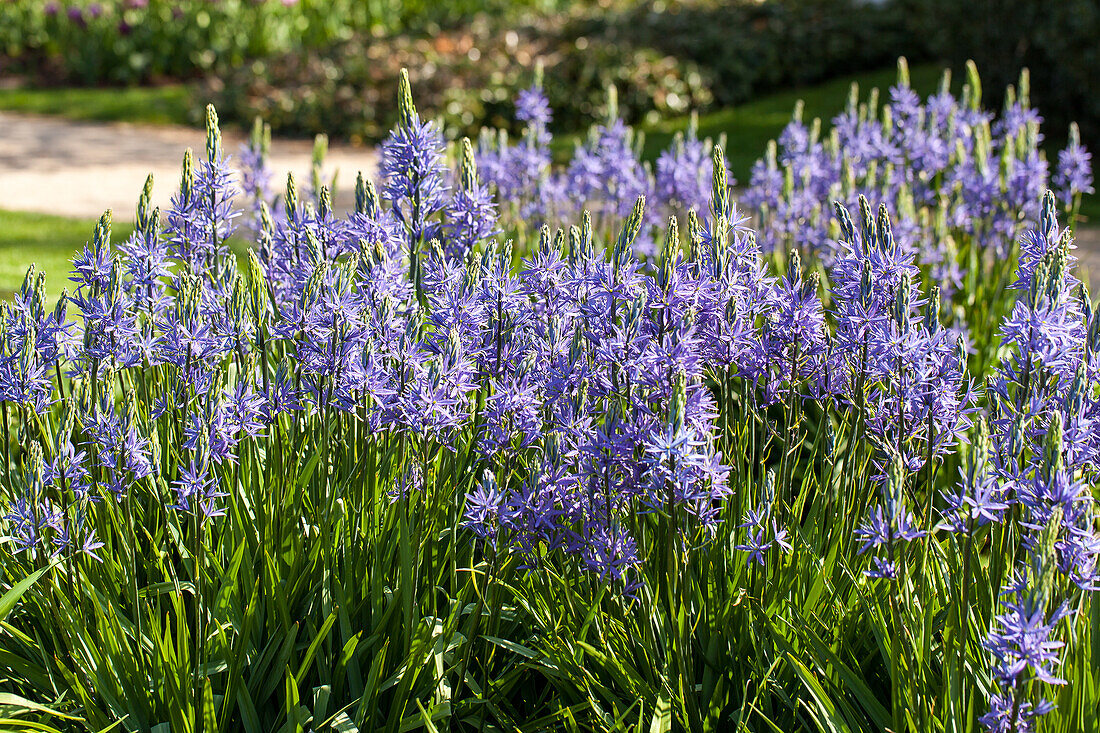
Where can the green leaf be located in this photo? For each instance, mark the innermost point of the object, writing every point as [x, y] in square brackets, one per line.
[662, 716]
[11, 725]
[307, 471]
[512, 647]
[12, 704]
[833, 718]
[9, 599]
[311, 652]
[343, 724]
[209, 714]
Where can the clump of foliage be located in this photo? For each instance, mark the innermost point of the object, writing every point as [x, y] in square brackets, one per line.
[466, 73]
[666, 58]
[309, 66]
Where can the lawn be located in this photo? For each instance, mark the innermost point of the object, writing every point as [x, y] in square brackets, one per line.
[47, 241]
[750, 126]
[168, 104]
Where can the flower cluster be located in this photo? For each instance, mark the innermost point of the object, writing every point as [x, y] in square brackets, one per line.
[585, 385]
[948, 169]
[605, 175]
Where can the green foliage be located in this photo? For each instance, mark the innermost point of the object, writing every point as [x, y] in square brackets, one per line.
[743, 49]
[664, 58]
[317, 66]
[469, 73]
[124, 42]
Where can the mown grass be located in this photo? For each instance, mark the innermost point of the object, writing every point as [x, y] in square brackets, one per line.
[168, 104]
[47, 241]
[50, 242]
[749, 127]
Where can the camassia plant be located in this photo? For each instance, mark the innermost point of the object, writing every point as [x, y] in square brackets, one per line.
[964, 184]
[395, 472]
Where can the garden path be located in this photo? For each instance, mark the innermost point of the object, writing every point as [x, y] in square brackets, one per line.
[56, 166]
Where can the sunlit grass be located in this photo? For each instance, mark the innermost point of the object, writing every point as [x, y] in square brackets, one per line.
[50, 242]
[169, 104]
[47, 241]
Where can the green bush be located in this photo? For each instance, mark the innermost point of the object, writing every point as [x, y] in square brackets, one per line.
[469, 74]
[745, 48]
[665, 58]
[315, 65]
[137, 41]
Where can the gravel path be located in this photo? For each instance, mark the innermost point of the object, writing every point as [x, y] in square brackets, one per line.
[56, 166]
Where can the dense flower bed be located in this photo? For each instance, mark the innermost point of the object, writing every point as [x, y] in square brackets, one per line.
[470, 457]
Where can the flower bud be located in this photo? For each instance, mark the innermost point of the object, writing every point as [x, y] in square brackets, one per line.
[290, 202]
[574, 244]
[695, 236]
[794, 266]
[469, 165]
[101, 237]
[974, 83]
[213, 136]
[667, 271]
[720, 193]
[867, 223]
[544, 239]
[62, 305]
[406, 110]
[142, 219]
[586, 236]
[901, 303]
[932, 311]
[631, 227]
[847, 230]
[865, 287]
[612, 104]
[885, 231]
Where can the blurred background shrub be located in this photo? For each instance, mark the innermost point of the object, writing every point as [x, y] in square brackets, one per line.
[142, 41]
[329, 65]
[313, 65]
[1056, 40]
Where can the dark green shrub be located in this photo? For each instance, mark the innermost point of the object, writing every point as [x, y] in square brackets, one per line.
[1056, 41]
